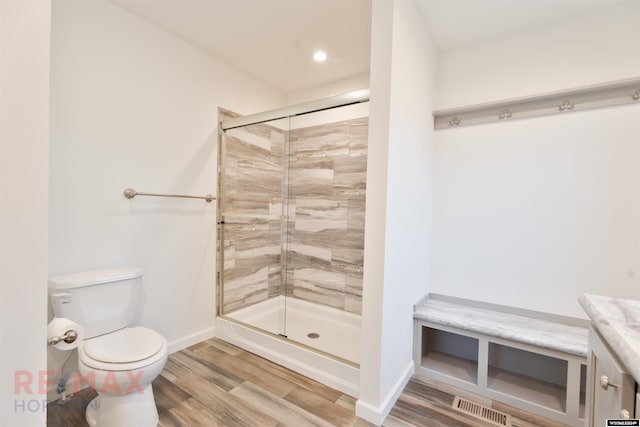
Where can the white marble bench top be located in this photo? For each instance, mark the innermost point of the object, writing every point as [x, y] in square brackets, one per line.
[528, 330]
[618, 321]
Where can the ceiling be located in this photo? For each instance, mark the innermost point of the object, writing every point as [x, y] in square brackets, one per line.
[274, 40]
[455, 23]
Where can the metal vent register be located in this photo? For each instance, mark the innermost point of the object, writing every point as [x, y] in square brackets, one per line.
[481, 412]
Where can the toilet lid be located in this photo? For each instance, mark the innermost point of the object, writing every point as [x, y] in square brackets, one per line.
[124, 346]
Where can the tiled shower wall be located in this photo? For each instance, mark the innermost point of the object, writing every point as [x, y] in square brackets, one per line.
[321, 252]
[327, 187]
[253, 188]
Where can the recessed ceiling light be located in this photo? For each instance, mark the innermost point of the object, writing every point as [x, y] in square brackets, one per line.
[320, 56]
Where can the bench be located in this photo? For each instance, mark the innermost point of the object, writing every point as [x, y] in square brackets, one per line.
[526, 359]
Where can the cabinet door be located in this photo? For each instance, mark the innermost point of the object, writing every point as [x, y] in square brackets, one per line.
[613, 390]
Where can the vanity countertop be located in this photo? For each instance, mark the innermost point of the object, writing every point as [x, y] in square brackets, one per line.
[618, 321]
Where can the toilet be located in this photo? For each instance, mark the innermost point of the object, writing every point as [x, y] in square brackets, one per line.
[116, 360]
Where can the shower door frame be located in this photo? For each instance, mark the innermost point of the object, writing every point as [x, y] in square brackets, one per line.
[349, 98]
[345, 99]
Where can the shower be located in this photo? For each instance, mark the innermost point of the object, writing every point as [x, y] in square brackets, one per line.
[292, 188]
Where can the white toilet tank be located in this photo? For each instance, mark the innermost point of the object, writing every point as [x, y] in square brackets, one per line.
[102, 301]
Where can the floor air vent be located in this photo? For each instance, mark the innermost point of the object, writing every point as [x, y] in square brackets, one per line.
[481, 412]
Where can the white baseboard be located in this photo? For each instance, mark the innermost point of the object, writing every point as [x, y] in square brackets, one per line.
[192, 339]
[377, 414]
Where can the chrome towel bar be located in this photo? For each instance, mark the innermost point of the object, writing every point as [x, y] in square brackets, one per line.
[130, 193]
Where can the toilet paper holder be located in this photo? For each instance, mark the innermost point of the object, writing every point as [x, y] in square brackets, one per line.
[68, 337]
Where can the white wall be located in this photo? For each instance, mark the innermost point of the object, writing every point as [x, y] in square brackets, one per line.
[330, 89]
[591, 49]
[24, 134]
[533, 213]
[133, 106]
[398, 210]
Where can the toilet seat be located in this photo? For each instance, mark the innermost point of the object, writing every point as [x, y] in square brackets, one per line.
[124, 346]
[124, 350]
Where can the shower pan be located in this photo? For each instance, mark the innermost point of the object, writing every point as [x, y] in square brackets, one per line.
[292, 187]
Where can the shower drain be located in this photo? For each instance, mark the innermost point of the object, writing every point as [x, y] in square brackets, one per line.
[313, 335]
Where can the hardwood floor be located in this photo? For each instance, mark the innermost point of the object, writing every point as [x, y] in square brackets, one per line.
[214, 383]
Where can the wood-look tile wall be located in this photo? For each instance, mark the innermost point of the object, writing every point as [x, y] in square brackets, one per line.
[253, 229]
[320, 174]
[327, 176]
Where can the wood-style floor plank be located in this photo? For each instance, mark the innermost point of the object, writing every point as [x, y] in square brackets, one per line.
[249, 371]
[425, 412]
[329, 411]
[190, 413]
[214, 383]
[287, 413]
[213, 372]
[299, 380]
[71, 413]
[522, 418]
[224, 407]
[167, 394]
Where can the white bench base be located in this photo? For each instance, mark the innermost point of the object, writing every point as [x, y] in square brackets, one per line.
[532, 361]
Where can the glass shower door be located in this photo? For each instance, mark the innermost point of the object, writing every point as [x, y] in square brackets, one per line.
[291, 237]
[325, 240]
[252, 230]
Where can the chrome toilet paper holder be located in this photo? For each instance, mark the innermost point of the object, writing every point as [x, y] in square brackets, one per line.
[68, 337]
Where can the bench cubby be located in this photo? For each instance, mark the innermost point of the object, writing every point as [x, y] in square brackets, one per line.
[451, 354]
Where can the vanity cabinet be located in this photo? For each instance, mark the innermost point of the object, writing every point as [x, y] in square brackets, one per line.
[612, 390]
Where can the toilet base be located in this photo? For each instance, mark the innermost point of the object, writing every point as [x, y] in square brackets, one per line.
[134, 409]
[92, 412]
